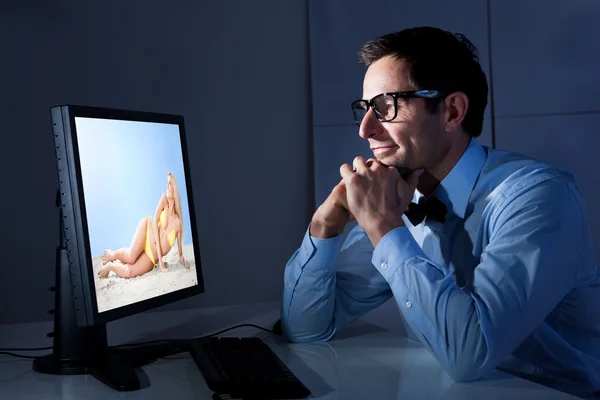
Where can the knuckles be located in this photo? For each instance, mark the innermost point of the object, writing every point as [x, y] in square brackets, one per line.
[353, 179]
[374, 168]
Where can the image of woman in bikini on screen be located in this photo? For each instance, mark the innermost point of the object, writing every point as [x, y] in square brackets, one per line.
[153, 238]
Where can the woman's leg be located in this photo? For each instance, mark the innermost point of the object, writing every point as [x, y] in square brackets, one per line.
[142, 265]
[128, 255]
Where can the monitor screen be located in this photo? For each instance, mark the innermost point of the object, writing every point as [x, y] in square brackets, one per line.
[136, 209]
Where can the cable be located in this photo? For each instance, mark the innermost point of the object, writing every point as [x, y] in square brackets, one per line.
[28, 349]
[8, 351]
[240, 326]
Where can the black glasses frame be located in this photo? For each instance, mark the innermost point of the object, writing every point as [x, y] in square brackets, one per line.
[423, 94]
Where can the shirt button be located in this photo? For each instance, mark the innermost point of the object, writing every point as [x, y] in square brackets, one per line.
[384, 266]
[408, 304]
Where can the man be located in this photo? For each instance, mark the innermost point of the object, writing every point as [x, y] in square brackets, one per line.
[506, 277]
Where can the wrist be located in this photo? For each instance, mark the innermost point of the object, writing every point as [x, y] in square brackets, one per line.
[381, 228]
[322, 230]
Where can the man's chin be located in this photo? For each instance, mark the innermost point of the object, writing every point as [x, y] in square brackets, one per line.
[404, 171]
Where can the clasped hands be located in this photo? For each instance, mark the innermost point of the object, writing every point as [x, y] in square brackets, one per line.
[371, 193]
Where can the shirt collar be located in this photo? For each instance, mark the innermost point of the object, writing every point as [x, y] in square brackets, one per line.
[455, 189]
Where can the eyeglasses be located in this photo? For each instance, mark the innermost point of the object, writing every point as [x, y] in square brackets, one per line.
[385, 105]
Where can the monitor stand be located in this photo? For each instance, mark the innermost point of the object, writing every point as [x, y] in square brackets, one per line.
[84, 350]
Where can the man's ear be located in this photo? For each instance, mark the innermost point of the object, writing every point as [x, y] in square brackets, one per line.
[457, 105]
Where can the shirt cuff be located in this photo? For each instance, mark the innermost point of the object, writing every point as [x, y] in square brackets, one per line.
[394, 249]
[316, 253]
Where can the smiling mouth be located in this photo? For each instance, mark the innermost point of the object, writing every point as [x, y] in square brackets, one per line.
[382, 149]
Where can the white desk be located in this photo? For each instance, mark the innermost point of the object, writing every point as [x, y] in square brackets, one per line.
[364, 362]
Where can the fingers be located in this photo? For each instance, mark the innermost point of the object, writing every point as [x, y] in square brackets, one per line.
[340, 196]
[359, 165]
[346, 171]
[370, 162]
[342, 200]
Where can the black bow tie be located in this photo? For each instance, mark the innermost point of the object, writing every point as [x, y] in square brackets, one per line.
[431, 207]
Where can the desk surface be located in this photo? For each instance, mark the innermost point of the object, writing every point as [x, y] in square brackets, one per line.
[363, 362]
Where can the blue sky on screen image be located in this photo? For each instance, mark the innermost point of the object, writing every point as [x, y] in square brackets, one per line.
[124, 168]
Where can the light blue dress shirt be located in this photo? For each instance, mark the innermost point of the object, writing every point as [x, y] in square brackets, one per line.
[508, 281]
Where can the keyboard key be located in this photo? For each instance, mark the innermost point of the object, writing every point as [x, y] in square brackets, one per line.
[245, 368]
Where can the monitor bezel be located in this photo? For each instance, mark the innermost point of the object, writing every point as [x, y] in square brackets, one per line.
[73, 204]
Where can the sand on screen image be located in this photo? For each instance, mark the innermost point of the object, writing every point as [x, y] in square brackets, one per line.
[137, 210]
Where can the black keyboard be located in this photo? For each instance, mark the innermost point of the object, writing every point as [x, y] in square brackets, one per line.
[245, 368]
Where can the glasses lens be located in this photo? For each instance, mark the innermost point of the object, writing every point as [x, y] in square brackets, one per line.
[385, 107]
[359, 108]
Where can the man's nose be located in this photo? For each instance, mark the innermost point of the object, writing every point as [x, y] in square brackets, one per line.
[370, 126]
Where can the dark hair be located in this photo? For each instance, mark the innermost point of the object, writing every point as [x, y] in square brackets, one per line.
[436, 60]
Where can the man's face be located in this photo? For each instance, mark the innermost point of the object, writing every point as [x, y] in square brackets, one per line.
[414, 139]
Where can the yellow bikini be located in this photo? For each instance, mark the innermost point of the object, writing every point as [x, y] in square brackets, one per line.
[162, 221]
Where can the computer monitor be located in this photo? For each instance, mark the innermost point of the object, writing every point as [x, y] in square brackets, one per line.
[128, 233]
